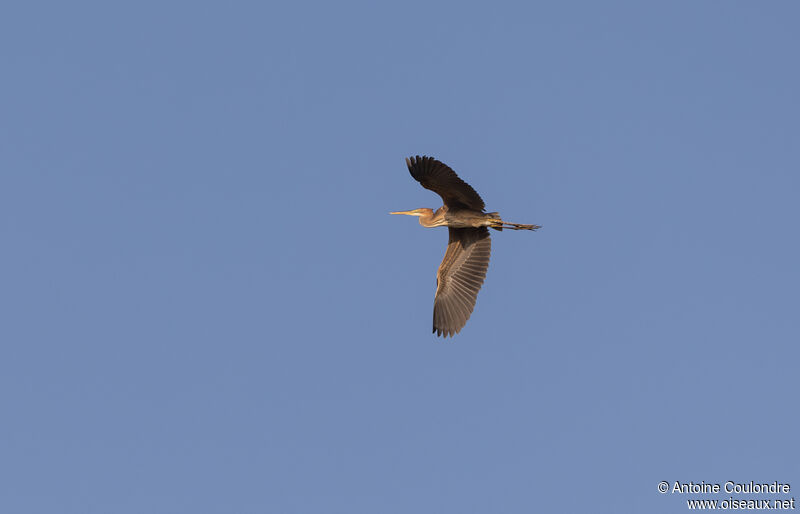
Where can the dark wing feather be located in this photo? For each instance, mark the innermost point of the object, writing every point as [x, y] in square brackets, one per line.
[439, 178]
[460, 278]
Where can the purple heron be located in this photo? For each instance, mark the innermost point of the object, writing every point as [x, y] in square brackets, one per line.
[463, 269]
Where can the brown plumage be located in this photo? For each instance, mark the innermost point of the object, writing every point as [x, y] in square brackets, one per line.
[439, 178]
[463, 269]
[460, 277]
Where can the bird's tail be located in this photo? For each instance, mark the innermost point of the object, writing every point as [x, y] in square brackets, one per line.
[497, 223]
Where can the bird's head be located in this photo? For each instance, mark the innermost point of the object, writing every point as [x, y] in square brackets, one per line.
[415, 212]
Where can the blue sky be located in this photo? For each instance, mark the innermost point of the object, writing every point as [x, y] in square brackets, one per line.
[206, 307]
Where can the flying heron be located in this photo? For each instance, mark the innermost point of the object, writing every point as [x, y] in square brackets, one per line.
[463, 269]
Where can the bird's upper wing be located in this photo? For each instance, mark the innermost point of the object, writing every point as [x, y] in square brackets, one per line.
[459, 278]
[439, 178]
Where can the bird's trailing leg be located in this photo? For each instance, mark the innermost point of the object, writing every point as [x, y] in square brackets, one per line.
[497, 223]
[520, 226]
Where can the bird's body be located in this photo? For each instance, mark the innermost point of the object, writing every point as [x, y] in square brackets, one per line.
[458, 218]
[466, 260]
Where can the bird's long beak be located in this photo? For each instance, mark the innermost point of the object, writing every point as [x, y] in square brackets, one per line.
[410, 213]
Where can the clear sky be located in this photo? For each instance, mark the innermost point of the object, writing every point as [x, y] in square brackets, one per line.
[206, 307]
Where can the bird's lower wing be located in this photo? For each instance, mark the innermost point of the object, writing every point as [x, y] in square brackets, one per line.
[459, 278]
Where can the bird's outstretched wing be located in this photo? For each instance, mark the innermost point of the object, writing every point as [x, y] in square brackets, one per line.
[459, 278]
[439, 178]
